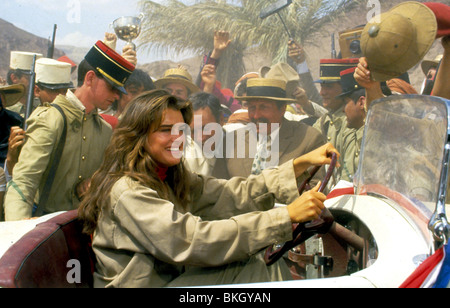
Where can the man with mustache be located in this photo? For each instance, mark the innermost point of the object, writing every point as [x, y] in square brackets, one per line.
[270, 139]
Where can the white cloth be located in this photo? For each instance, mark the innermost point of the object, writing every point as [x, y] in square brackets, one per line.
[263, 152]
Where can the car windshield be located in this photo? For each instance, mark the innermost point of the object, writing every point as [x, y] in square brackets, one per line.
[402, 152]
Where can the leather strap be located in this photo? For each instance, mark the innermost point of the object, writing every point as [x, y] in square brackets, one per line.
[53, 168]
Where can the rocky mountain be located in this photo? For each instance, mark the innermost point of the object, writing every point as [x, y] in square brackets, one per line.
[15, 39]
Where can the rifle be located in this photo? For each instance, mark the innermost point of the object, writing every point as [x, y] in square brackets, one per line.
[333, 47]
[51, 47]
[30, 99]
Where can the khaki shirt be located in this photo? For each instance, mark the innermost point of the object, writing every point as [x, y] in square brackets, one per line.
[87, 137]
[351, 152]
[20, 108]
[334, 127]
[143, 240]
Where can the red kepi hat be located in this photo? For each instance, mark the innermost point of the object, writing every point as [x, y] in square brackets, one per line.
[112, 66]
[330, 69]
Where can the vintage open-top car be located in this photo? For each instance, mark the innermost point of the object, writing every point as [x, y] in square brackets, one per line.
[391, 221]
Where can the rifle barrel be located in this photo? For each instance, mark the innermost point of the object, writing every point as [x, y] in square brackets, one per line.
[30, 99]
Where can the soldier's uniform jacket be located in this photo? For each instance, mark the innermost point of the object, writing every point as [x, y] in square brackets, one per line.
[333, 126]
[351, 152]
[87, 137]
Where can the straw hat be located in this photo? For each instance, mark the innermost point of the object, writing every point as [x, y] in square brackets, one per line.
[266, 89]
[396, 41]
[53, 74]
[283, 71]
[12, 94]
[177, 75]
[427, 64]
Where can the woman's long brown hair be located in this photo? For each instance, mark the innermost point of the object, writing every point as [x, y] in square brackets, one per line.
[126, 156]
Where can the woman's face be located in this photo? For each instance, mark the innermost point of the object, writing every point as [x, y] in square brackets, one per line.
[165, 145]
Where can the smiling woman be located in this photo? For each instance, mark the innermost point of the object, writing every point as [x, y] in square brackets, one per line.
[155, 224]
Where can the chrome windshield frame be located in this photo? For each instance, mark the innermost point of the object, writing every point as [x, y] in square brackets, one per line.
[439, 225]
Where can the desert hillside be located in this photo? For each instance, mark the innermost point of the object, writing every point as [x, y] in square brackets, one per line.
[15, 39]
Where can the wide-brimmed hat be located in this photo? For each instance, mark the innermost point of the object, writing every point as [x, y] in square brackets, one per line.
[177, 75]
[12, 94]
[266, 89]
[53, 74]
[330, 69]
[396, 41]
[427, 64]
[113, 67]
[283, 71]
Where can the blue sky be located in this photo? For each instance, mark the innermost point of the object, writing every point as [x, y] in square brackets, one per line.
[80, 22]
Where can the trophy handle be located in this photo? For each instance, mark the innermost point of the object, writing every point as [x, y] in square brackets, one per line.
[141, 16]
[133, 45]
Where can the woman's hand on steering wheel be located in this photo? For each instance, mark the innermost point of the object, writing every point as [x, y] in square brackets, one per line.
[319, 157]
[308, 206]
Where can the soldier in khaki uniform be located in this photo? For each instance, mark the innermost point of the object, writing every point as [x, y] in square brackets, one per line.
[355, 111]
[105, 73]
[19, 73]
[156, 224]
[53, 78]
[333, 125]
[9, 95]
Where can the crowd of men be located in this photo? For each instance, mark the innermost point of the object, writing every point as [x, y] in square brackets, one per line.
[271, 117]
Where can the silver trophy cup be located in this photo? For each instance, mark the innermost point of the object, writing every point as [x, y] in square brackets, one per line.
[128, 28]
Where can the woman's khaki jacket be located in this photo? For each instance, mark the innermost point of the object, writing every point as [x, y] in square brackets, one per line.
[143, 240]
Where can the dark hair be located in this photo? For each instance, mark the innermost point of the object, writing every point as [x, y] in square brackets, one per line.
[357, 94]
[126, 156]
[18, 73]
[202, 100]
[140, 78]
[83, 69]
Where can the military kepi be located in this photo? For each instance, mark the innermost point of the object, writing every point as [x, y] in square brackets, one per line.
[348, 82]
[330, 69]
[112, 66]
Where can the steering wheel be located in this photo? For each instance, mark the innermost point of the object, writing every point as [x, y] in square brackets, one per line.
[304, 231]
